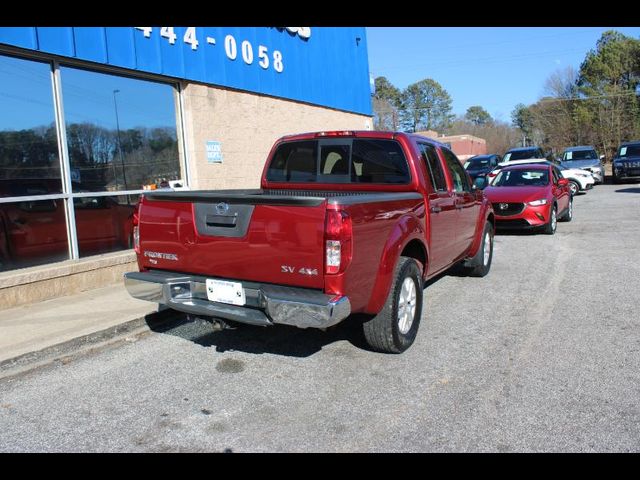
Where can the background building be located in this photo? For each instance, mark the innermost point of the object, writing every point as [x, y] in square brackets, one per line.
[464, 146]
[93, 116]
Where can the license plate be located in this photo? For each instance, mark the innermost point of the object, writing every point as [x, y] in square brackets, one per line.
[225, 292]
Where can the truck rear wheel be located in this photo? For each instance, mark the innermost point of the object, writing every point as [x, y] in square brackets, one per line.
[394, 328]
[485, 253]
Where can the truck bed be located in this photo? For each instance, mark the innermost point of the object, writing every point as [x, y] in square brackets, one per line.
[251, 235]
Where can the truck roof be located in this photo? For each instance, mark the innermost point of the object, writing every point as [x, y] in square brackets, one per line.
[383, 134]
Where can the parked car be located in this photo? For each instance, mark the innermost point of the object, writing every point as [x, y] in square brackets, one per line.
[480, 165]
[579, 180]
[626, 164]
[530, 196]
[584, 158]
[344, 222]
[524, 153]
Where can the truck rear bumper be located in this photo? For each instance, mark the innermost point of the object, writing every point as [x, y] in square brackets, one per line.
[265, 304]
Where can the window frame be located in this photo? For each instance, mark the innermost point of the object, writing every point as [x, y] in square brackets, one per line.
[67, 195]
[451, 159]
[427, 164]
[338, 179]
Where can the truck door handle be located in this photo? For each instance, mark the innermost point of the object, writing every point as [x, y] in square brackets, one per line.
[227, 221]
[436, 209]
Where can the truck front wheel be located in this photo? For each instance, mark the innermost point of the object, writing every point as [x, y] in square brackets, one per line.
[394, 328]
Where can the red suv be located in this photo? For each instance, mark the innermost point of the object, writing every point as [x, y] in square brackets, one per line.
[530, 196]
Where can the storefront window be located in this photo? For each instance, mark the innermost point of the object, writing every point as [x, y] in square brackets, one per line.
[104, 224]
[29, 161]
[121, 136]
[32, 233]
[121, 132]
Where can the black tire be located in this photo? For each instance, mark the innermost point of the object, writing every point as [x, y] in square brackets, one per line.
[568, 216]
[484, 262]
[550, 227]
[383, 332]
[574, 187]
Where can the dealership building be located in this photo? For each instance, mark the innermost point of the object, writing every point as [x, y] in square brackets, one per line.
[94, 116]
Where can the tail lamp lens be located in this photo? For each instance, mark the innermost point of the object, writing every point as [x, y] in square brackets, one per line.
[338, 233]
[334, 255]
[136, 239]
[136, 230]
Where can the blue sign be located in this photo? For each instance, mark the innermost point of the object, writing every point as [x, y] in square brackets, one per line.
[325, 66]
[214, 152]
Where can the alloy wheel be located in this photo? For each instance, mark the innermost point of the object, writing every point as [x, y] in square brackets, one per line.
[406, 305]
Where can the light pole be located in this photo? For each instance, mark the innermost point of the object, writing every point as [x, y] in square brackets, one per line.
[115, 104]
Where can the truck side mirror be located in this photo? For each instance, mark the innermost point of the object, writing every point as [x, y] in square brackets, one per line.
[479, 183]
[601, 157]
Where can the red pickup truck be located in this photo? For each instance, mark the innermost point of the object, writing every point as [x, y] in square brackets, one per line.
[344, 222]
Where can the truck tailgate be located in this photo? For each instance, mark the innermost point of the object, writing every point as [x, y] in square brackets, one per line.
[246, 236]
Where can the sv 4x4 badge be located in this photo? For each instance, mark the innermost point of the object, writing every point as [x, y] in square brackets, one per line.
[301, 271]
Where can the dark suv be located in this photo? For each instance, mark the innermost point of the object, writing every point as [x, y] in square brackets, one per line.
[480, 165]
[626, 164]
[584, 158]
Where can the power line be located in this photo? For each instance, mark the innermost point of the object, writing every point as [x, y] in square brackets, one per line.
[491, 59]
[622, 94]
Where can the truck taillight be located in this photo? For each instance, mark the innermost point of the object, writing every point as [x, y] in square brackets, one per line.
[136, 230]
[344, 133]
[136, 239]
[337, 235]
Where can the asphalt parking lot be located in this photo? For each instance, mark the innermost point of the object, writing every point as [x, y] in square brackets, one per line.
[543, 354]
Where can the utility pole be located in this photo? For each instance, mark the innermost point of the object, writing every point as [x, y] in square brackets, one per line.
[115, 104]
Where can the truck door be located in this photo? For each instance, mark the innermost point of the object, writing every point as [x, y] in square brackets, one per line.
[467, 205]
[441, 228]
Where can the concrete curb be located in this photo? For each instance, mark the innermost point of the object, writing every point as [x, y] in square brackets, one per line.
[66, 351]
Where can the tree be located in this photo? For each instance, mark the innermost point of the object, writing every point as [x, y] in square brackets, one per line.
[500, 136]
[607, 82]
[477, 115]
[554, 120]
[386, 104]
[425, 105]
[385, 90]
[522, 118]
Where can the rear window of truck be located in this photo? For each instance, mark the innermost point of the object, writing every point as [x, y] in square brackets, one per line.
[339, 161]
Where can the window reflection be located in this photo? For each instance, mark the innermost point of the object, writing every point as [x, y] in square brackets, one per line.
[121, 135]
[32, 233]
[104, 224]
[28, 141]
[121, 132]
